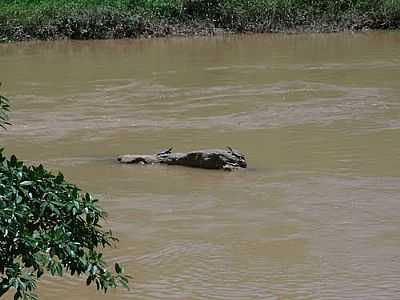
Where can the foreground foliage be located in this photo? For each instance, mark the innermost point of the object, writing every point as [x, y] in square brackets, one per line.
[48, 225]
[4, 108]
[86, 19]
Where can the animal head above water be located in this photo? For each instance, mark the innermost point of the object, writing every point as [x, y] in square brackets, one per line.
[236, 157]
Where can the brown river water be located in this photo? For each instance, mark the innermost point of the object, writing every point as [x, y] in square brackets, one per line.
[315, 216]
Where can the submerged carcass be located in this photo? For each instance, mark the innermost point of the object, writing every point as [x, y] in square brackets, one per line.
[228, 159]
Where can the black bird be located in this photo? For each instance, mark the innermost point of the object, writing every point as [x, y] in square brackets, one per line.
[235, 152]
[165, 151]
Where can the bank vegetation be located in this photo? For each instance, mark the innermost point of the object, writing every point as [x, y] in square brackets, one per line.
[102, 19]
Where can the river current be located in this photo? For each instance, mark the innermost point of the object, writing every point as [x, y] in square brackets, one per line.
[315, 216]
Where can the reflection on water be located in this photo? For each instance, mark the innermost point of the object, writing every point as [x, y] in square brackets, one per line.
[314, 217]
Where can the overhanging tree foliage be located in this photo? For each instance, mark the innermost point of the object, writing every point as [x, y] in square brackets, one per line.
[48, 225]
[4, 108]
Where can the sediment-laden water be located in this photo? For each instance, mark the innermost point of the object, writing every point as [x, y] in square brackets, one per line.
[317, 214]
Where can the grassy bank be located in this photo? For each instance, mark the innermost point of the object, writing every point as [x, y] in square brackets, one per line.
[98, 19]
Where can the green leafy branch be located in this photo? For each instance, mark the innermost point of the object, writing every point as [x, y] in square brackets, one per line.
[4, 109]
[48, 225]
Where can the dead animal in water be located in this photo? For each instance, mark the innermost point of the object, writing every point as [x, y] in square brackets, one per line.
[228, 159]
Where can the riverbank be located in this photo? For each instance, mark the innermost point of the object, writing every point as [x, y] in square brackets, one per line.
[104, 19]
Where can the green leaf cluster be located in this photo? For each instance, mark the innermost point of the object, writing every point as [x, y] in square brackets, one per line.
[4, 109]
[48, 225]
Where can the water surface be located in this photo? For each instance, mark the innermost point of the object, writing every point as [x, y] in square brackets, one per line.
[316, 216]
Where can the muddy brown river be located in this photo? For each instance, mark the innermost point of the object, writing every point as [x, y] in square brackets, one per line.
[315, 216]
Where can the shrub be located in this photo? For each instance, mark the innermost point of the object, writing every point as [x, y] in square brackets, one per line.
[48, 225]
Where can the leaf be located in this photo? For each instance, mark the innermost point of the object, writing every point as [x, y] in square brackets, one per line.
[118, 268]
[38, 232]
[60, 178]
[89, 280]
[17, 295]
[18, 199]
[123, 280]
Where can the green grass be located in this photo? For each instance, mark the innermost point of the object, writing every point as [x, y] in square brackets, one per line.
[84, 19]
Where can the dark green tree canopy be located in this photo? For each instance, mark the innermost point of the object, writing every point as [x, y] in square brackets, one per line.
[48, 225]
